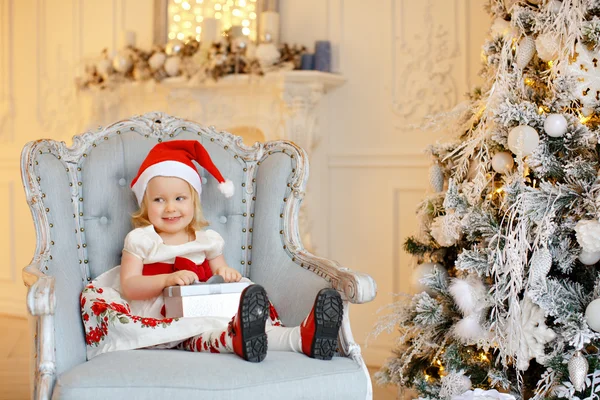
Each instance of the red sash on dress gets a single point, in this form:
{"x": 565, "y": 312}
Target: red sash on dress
{"x": 202, "y": 270}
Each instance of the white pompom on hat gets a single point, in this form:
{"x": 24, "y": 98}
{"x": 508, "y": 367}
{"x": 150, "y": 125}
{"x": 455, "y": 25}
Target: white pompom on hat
{"x": 174, "y": 159}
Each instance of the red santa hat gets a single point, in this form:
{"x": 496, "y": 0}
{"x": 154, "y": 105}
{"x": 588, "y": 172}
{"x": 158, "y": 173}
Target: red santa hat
{"x": 174, "y": 158}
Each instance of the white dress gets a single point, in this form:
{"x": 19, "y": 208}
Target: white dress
{"x": 114, "y": 323}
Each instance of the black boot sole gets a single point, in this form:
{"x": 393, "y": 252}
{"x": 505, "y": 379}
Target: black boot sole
{"x": 254, "y": 311}
{"x": 329, "y": 311}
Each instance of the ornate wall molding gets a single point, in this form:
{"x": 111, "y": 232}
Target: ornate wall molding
{"x": 430, "y": 53}
{"x": 7, "y": 105}
{"x": 55, "y": 72}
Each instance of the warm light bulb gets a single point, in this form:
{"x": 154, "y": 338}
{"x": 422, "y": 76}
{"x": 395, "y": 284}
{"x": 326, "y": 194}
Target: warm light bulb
{"x": 180, "y": 36}
{"x": 236, "y": 12}
{"x": 185, "y": 5}
{"x": 242, "y": 3}
{"x": 245, "y": 23}
{"x": 217, "y": 7}
{"x": 252, "y": 15}
{"x": 199, "y": 18}
{"x": 218, "y": 15}
{"x": 550, "y": 63}
{"x": 177, "y": 18}
{"x": 529, "y": 81}
{"x": 171, "y": 35}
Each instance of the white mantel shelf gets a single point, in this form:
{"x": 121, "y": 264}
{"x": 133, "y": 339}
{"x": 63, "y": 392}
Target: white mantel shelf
{"x": 327, "y": 80}
{"x": 282, "y": 104}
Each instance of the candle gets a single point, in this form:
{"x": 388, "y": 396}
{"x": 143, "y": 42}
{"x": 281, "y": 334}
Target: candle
{"x": 237, "y": 31}
{"x": 323, "y": 55}
{"x": 210, "y": 31}
{"x": 308, "y": 61}
{"x": 269, "y": 26}
{"x": 127, "y": 39}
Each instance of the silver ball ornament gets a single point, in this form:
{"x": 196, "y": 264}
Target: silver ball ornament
{"x": 523, "y": 140}
{"x": 174, "y": 47}
{"x": 157, "y": 60}
{"x": 554, "y": 6}
{"x": 592, "y": 315}
{"x": 589, "y": 257}
{"x": 503, "y": 162}
{"x": 104, "y": 67}
{"x": 173, "y": 65}
{"x": 555, "y": 125}
{"x": 122, "y": 62}
{"x": 426, "y": 269}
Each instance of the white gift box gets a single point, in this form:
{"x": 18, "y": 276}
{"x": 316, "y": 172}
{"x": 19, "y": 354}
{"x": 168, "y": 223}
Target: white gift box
{"x": 203, "y": 300}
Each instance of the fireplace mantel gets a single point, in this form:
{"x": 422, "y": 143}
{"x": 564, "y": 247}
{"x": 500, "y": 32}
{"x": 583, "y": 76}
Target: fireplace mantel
{"x": 282, "y": 105}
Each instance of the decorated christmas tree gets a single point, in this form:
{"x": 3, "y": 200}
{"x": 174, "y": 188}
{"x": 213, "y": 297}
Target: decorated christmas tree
{"x": 509, "y": 246}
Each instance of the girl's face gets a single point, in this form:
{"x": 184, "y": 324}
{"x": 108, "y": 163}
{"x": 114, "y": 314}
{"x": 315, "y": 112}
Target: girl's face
{"x": 169, "y": 203}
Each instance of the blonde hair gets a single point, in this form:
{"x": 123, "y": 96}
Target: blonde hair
{"x": 139, "y": 219}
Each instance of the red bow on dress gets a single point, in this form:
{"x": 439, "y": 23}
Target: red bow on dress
{"x": 181, "y": 264}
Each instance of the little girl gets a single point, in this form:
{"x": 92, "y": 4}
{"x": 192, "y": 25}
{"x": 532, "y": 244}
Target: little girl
{"x": 123, "y": 308}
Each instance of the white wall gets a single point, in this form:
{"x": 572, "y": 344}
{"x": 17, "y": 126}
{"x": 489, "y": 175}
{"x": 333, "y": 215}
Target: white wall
{"x": 402, "y": 59}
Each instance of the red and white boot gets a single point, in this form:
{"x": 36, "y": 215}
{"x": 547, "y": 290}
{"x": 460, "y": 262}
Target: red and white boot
{"x": 319, "y": 331}
{"x": 247, "y": 327}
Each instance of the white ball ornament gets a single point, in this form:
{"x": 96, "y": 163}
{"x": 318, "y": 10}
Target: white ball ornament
{"x": 157, "y": 60}
{"x": 172, "y": 66}
{"x": 104, "y": 67}
{"x": 554, "y": 6}
{"x": 589, "y": 257}
{"x": 122, "y": 62}
{"x": 426, "y": 269}
{"x": 500, "y": 27}
{"x": 502, "y": 162}
{"x": 592, "y": 315}
{"x": 547, "y": 47}
{"x": 555, "y": 125}
{"x": 523, "y": 140}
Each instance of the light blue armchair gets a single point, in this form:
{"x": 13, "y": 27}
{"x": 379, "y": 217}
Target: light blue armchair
{"x": 81, "y": 202}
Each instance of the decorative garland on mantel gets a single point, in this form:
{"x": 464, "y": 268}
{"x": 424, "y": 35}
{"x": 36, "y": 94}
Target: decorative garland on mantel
{"x": 189, "y": 62}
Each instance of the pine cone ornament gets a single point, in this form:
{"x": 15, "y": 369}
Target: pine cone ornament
{"x": 436, "y": 177}
{"x": 539, "y": 266}
{"x": 578, "y": 369}
{"x": 525, "y": 51}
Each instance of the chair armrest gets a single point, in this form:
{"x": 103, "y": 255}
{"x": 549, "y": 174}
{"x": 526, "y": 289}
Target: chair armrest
{"x": 357, "y": 287}
{"x": 41, "y": 303}
{"x": 40, "y": 293}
